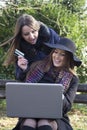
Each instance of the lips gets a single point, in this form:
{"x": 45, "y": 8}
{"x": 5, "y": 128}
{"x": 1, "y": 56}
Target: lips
{"x": 33, "y": 41}
{"x": 56, "y": 61}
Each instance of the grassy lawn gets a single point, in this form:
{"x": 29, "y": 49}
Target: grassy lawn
{"x": 78, "y": 117}
{"x": 6, "y": 123}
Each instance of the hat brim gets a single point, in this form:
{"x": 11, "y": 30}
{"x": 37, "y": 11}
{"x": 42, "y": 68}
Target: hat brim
{"x": 58, "y": 46}
{"x": 77, "y": 61}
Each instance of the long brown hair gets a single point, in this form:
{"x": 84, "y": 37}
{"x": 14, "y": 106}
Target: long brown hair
{"x": 45, "y": 64}
{"x": 23, "y": 20}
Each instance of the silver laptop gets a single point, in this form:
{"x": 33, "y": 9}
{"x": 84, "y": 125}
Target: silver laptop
{"x": 34, "y": 100}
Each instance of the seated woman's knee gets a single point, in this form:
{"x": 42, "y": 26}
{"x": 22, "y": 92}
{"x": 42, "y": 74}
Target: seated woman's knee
{"x": 30, "y": 122}
{"x": 42, "y": 122}
{"x": 51, "y": 123}
{"x": 54, "y": 125}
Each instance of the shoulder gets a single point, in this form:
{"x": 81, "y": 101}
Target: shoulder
{"x": 48, "y": 32}
{"x": 75, "y": 78}
{"x": 74, "y": 81}
{"x": 54, "y": 36}
{"x": 44, "y": 31}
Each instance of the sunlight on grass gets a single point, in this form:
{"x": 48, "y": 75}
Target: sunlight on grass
{"x": 6, "y": 123}
{"x": 78, "y": 117}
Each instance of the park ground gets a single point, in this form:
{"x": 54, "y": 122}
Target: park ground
{"x": 78, "y": 117}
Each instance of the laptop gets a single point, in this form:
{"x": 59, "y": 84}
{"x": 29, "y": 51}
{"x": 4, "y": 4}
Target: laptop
{"x": 34, "y": 100}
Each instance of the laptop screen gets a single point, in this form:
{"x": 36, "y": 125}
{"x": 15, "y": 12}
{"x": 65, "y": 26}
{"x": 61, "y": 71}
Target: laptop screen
{"x": 34, "y": 100}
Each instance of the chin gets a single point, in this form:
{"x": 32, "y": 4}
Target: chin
{"x": 57, "y": 65}
{"x": 32, "y": 43}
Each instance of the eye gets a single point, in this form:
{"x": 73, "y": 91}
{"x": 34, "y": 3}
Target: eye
{"x": 63, "y": 54}
{"x": 34, "y": 31}
{"x": 55, "y": 51}
{"x": 26, "y": 34}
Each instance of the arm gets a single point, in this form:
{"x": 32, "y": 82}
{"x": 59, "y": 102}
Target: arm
{"x": 48, "y": 34}
{"x": 69, "y": 95}
{"x": 54, "y": 37}
{"x": 21, "y": 68}
{"x": 20, "y": 74}
{"x": 44, "y": 32}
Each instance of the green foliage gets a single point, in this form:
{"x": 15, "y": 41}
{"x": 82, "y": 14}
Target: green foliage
{"x": 66, "y": 17}
{"x": 73, "y": 5}
{"x": 6, "y": 73}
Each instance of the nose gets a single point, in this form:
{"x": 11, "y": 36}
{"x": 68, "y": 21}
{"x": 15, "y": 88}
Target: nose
{"x": 31, "y": 35}
{"x": 57, "y": 55}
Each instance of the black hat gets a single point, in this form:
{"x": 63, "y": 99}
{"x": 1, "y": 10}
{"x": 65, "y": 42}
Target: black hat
{"x": 67, "y": 45}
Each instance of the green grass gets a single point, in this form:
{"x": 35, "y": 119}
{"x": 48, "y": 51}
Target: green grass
{"x": 78, "y": 117}
{"x": 6, "y": 123}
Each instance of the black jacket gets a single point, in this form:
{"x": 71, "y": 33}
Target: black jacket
{"x": 37, "y": 51}
{"x": 69, "y": 96}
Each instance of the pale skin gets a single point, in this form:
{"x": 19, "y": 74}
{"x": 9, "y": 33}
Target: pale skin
{"x": 59, "y": 59}
{"x": 30, "y": 35}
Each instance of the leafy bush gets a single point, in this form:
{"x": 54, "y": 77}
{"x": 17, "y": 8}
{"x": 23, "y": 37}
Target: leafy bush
{"x": 57, "y": 16}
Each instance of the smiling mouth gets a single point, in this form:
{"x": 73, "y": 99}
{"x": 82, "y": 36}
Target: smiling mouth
{"x": 33, "y": 40}
{"x": 57, "y": 61}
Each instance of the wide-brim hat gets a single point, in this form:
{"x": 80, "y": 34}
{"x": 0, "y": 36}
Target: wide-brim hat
{"x": 67, "y": 45}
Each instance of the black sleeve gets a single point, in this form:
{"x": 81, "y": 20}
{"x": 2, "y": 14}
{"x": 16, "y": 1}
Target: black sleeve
{"x": 20, "y": 75}
{"x": 69, "y": 95}
{"x": 44, "y": 32}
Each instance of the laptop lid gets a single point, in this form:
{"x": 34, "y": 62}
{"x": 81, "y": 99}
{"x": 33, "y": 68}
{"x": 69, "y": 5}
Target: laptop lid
{"x": 34, "y": 100}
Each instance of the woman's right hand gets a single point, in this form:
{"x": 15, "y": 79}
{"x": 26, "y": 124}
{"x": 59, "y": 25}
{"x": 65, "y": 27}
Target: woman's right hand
{"x": 22, "y": 62}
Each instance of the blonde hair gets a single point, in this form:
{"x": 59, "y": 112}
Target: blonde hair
{"x": 23, "y": 20}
